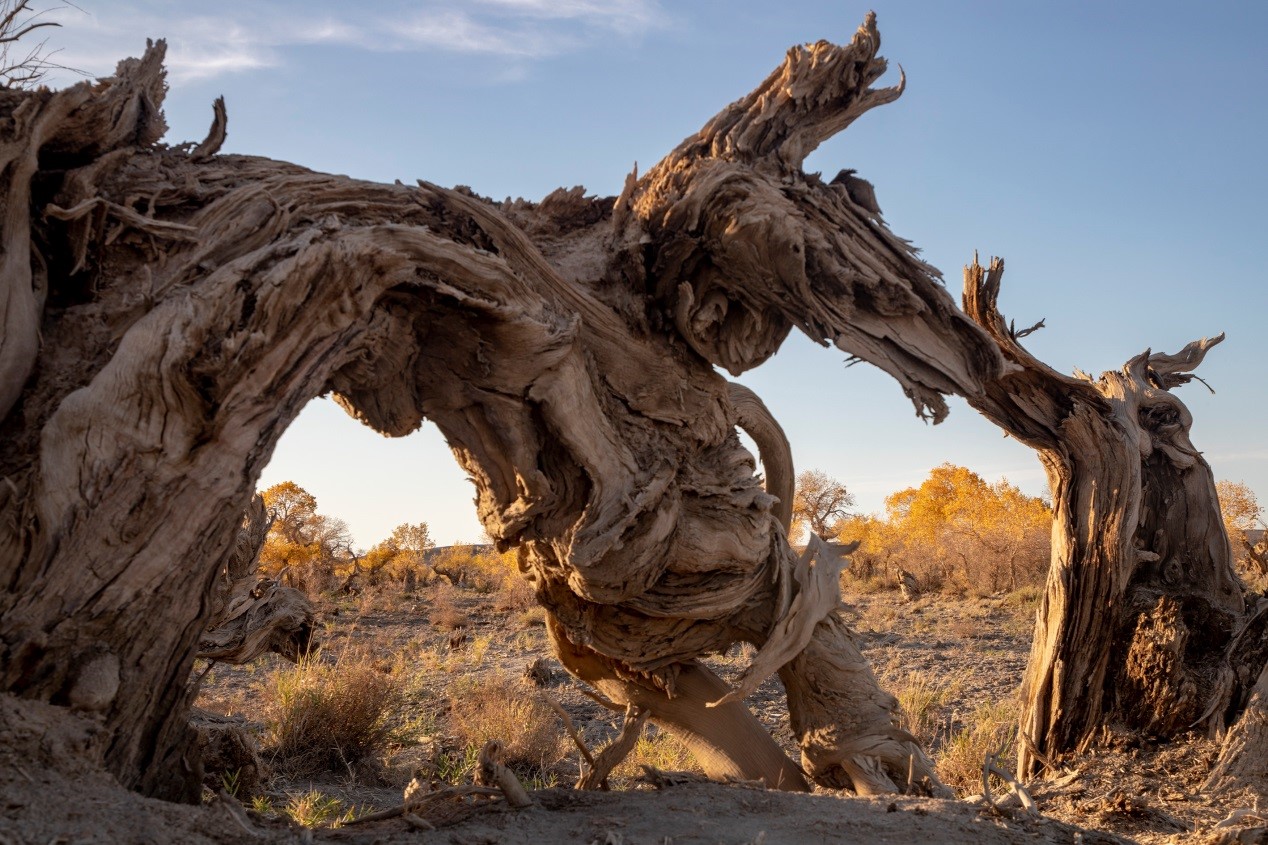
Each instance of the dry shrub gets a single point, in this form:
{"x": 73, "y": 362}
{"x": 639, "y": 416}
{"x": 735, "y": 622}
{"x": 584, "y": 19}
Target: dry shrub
{"x": 498, "y": 706}
{"x": 991, "y": 729}
{"x": 330, "y": 717}
{"x": 443, "y": 612}
{"x": 516, "y": 594}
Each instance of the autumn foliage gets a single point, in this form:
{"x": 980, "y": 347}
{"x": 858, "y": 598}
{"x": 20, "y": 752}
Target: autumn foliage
{"x": 1243, "y": 520}
{"x": 315, "y": 552}
{"x": 955, "y": 531}
{"x": 309, "y": 548}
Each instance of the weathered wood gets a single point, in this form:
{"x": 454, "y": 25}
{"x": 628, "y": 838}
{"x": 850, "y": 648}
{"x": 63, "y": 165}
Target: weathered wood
{"x": 615, "y": 752}
{"x": 190, "y": 304}
{"x": 491, "y": 771}
{"x": 1243, "y": 756}
{"x": 727, "y": 740}
{"x": 230, "y": 754}
{"x": 1142, "y": 601}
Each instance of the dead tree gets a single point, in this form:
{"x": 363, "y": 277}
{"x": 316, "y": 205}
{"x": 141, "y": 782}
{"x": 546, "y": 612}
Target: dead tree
{"x": 167, "y": 312}
{"x": 1143, "y": 623}
{"x": 251, "y": 616}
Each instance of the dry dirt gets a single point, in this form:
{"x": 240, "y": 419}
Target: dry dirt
{"x": 973, "y": 649}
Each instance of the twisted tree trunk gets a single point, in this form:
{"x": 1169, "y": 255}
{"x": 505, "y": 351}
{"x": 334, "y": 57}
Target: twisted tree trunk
{"x": 1138, "y": 620}
{"x": 168, "y": 313}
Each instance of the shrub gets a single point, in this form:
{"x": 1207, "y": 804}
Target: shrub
{"x": 330, "y": 717}
{"x": 496, "y": 706}
{"x": 921, "y": 700}
{"x": 443, "y": 612}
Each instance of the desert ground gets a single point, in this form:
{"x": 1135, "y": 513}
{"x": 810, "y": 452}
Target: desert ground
{"x": 457, "y": 665}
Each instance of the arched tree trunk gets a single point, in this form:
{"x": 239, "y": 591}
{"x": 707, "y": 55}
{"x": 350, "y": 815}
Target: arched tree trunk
{"x": 1137, "y": 622}
{"x": 168, "y": 313}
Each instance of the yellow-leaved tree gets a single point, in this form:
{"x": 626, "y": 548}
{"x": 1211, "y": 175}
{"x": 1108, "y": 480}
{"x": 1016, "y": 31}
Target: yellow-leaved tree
{"x": 982, "y": 536}
{"x": 311, "y": 548}
{"x": 880, "y": 548}
{"x": 401, "y": 557}
{"x": 1242, "y": 515}
{"x": 820, "y": 503}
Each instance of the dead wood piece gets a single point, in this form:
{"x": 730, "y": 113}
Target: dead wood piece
{"x": 269, "y": 617}
{"x": 251, "y": 616}
{"x": 234, "y": 810}
{"x": 491, "y": 771}
{"x": 1244, "y": 751}
{"x": 1239, "y": 815}
{"x": 816, "y": 590}
{"x": 567, "y": 350}
{"x": 216, "y": 135}
{"x": 1141, "y": 604}
{"x": 1238, "y": 836}
{"x": 772, "y": 445}
{"x": 571, "y": 729}
{"x": 230, "y": 753}
{"x": 990, "y": 766}
{"x": 417, "y": 822}
{"x": 422, "y": 800}
{"x": 726, "y": 740}
{"x": 615, "y": 752}
{"x": 908, "y": 586}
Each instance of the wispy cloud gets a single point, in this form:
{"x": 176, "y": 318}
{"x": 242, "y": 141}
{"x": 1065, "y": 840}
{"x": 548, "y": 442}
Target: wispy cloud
{"x": 241, "y": 36}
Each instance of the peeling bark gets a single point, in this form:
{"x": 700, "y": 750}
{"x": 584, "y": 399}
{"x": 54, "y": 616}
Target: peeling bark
{"x": 1142, "y": 602}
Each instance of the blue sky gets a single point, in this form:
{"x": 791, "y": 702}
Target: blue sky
{"x": 1111, "y": 152}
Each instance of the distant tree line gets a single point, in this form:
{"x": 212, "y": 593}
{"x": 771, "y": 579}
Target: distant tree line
{"x": 958, "y": 531}
{"x": 314, "y": 552}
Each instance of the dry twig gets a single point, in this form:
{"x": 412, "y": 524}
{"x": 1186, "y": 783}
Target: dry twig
{"x": 596, "y": 777}
{"x": 491, "y": 771}
{"x": 570, "y": 728}
{"x": 415, "y": 805}
{"x": 989, "y": 767}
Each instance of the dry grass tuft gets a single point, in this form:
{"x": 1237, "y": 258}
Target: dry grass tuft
{"x": 316, "y": 809}
{"x": 991, "y": 729}
{"x": 325, "y": 717}
{"x": 499, "y": 706}
{"x": 533, "y": 616}
{"x": 658, "y": 749}
{"x": 922, "y": 702}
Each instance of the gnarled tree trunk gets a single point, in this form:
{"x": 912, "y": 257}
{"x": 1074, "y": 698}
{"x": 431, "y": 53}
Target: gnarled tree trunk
{"x": 168, "y": 314}
{"x": 1138, "y": 620}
